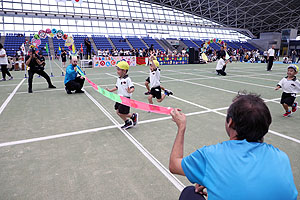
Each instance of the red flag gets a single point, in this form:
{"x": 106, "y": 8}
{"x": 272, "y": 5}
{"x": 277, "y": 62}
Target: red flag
{"x": 81, "y": 48}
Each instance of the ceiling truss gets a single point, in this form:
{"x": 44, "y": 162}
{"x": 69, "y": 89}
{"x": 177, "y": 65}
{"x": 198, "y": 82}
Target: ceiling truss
{"x": 255, "y": 15}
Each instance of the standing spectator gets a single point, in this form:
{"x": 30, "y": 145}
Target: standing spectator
{"x": 183, "y": 52}
{"x": 266, "y": 56}
{"x": 242, "y": 168}
{"x": 294, "y": 55}
{"x": 151, "y": 48}
{"x": 87, "y": 43}
{"x": 56, "y": 55}
{"x": 221, "y": 53}
{"x": 4, "y": 63}
{"x": 63, "y": 56}
{"x": 242, "y": 53}
{"x": 271, "y": 54}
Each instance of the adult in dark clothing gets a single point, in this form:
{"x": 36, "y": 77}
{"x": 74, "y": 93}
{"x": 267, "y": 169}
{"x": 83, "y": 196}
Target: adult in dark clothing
{"x": 36, "y": 65}
{"x": 63, "y": 56}
{"x": 221, "y": 53}
{"x": 241, "y": 52}
{"x": 294, "y": 55}
{"x": 87, "y": 43}
{"x": 151, "y": 48}
{"x": 144, "y": 53}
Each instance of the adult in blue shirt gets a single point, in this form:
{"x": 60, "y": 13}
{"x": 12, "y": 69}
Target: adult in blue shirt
{"x": 72, "y": 81}
{"x": 242, "y": 168}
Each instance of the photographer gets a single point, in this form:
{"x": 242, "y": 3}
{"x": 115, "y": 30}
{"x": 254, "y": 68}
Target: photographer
{"x": 36, "y": 64}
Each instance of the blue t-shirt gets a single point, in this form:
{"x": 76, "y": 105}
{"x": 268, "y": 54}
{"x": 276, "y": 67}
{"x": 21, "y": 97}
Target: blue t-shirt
{"x": 71, "y": 74}
{"x": 241, "y": 170}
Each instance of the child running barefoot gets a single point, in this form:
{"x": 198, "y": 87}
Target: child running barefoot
{"x": 155, "y": 91}
{"x": 290, "y": 86}
{"x": 125, "y": 88}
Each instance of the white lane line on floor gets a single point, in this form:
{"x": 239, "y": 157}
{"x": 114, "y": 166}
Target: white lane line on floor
{"x": 54, "y": 136}
{"x": 11, "y": 96}
{"x": 178, "y": 184}
{"x": 227, "y": 79}
{"x": 31, "y": 140}
{"x": 267, "y": 100}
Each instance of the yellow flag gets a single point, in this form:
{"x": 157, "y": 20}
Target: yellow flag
{"x": 73, "y": 48}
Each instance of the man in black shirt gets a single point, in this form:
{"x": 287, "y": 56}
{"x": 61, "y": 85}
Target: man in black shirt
{"x": 36, "y": 65}
{"x": 221, "y": 53}
{"x": 88, "y": 48}
{"x": 151, "y": 48}
{"x": 241, "y": 52}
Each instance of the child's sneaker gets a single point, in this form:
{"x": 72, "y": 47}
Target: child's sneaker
{"x": 168, "y": 92}
{"x": 147, "y": 93}
{"x": 134, "y": 118}
{"x": 287, "y": 114}
{"x": 11, "y": 78}
{"x": 128, "y": 124}
{"x": 294, "y": 107}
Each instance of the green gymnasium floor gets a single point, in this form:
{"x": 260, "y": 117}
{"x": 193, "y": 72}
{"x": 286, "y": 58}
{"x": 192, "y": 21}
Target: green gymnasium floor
{"x": 59, "y": 146}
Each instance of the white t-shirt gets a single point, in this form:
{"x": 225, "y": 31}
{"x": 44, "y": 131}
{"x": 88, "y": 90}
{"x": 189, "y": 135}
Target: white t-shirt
{"x": 271, "y": 52}
{"x": 123, "y": 84}
{"x": 220, "y": 64}
{"x": 155, "y": 78}
{"x": 3, "y": 60}
{"x": 290, "y": 86}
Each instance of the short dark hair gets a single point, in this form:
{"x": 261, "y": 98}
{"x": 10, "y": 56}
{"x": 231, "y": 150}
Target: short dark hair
{"x": 251, "y": 117}
{"x": 1, "y": 46}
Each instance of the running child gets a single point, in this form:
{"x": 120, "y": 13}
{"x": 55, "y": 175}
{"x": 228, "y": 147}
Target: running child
{"x": 290, "y": 86}
{"x": 125, "y": 88}
{"x": 155, "y": 91}
{"x": 147, "y": 83}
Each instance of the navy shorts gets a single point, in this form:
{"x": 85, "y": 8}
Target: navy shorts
{"x": 288, "y": 98}
{"x": 156, "y": 92}
{"x": 122, "y": 108}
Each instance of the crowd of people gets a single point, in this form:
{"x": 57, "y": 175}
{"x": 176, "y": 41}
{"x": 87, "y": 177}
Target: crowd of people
{"x": 140, "y": 52}
{"x": 241, "y": 55}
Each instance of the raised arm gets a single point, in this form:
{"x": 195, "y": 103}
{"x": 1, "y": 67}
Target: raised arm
{"x": 177, "y": 150}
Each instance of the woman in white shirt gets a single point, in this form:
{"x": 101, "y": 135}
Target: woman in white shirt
{"x": 4, "y": 63}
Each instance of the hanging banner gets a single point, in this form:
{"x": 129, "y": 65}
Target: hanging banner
{"x": 113, "y": 60}
{"x": 125, "y": 101}
{"x": 141, "y": 60}
{"x": 172, "y": 60}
